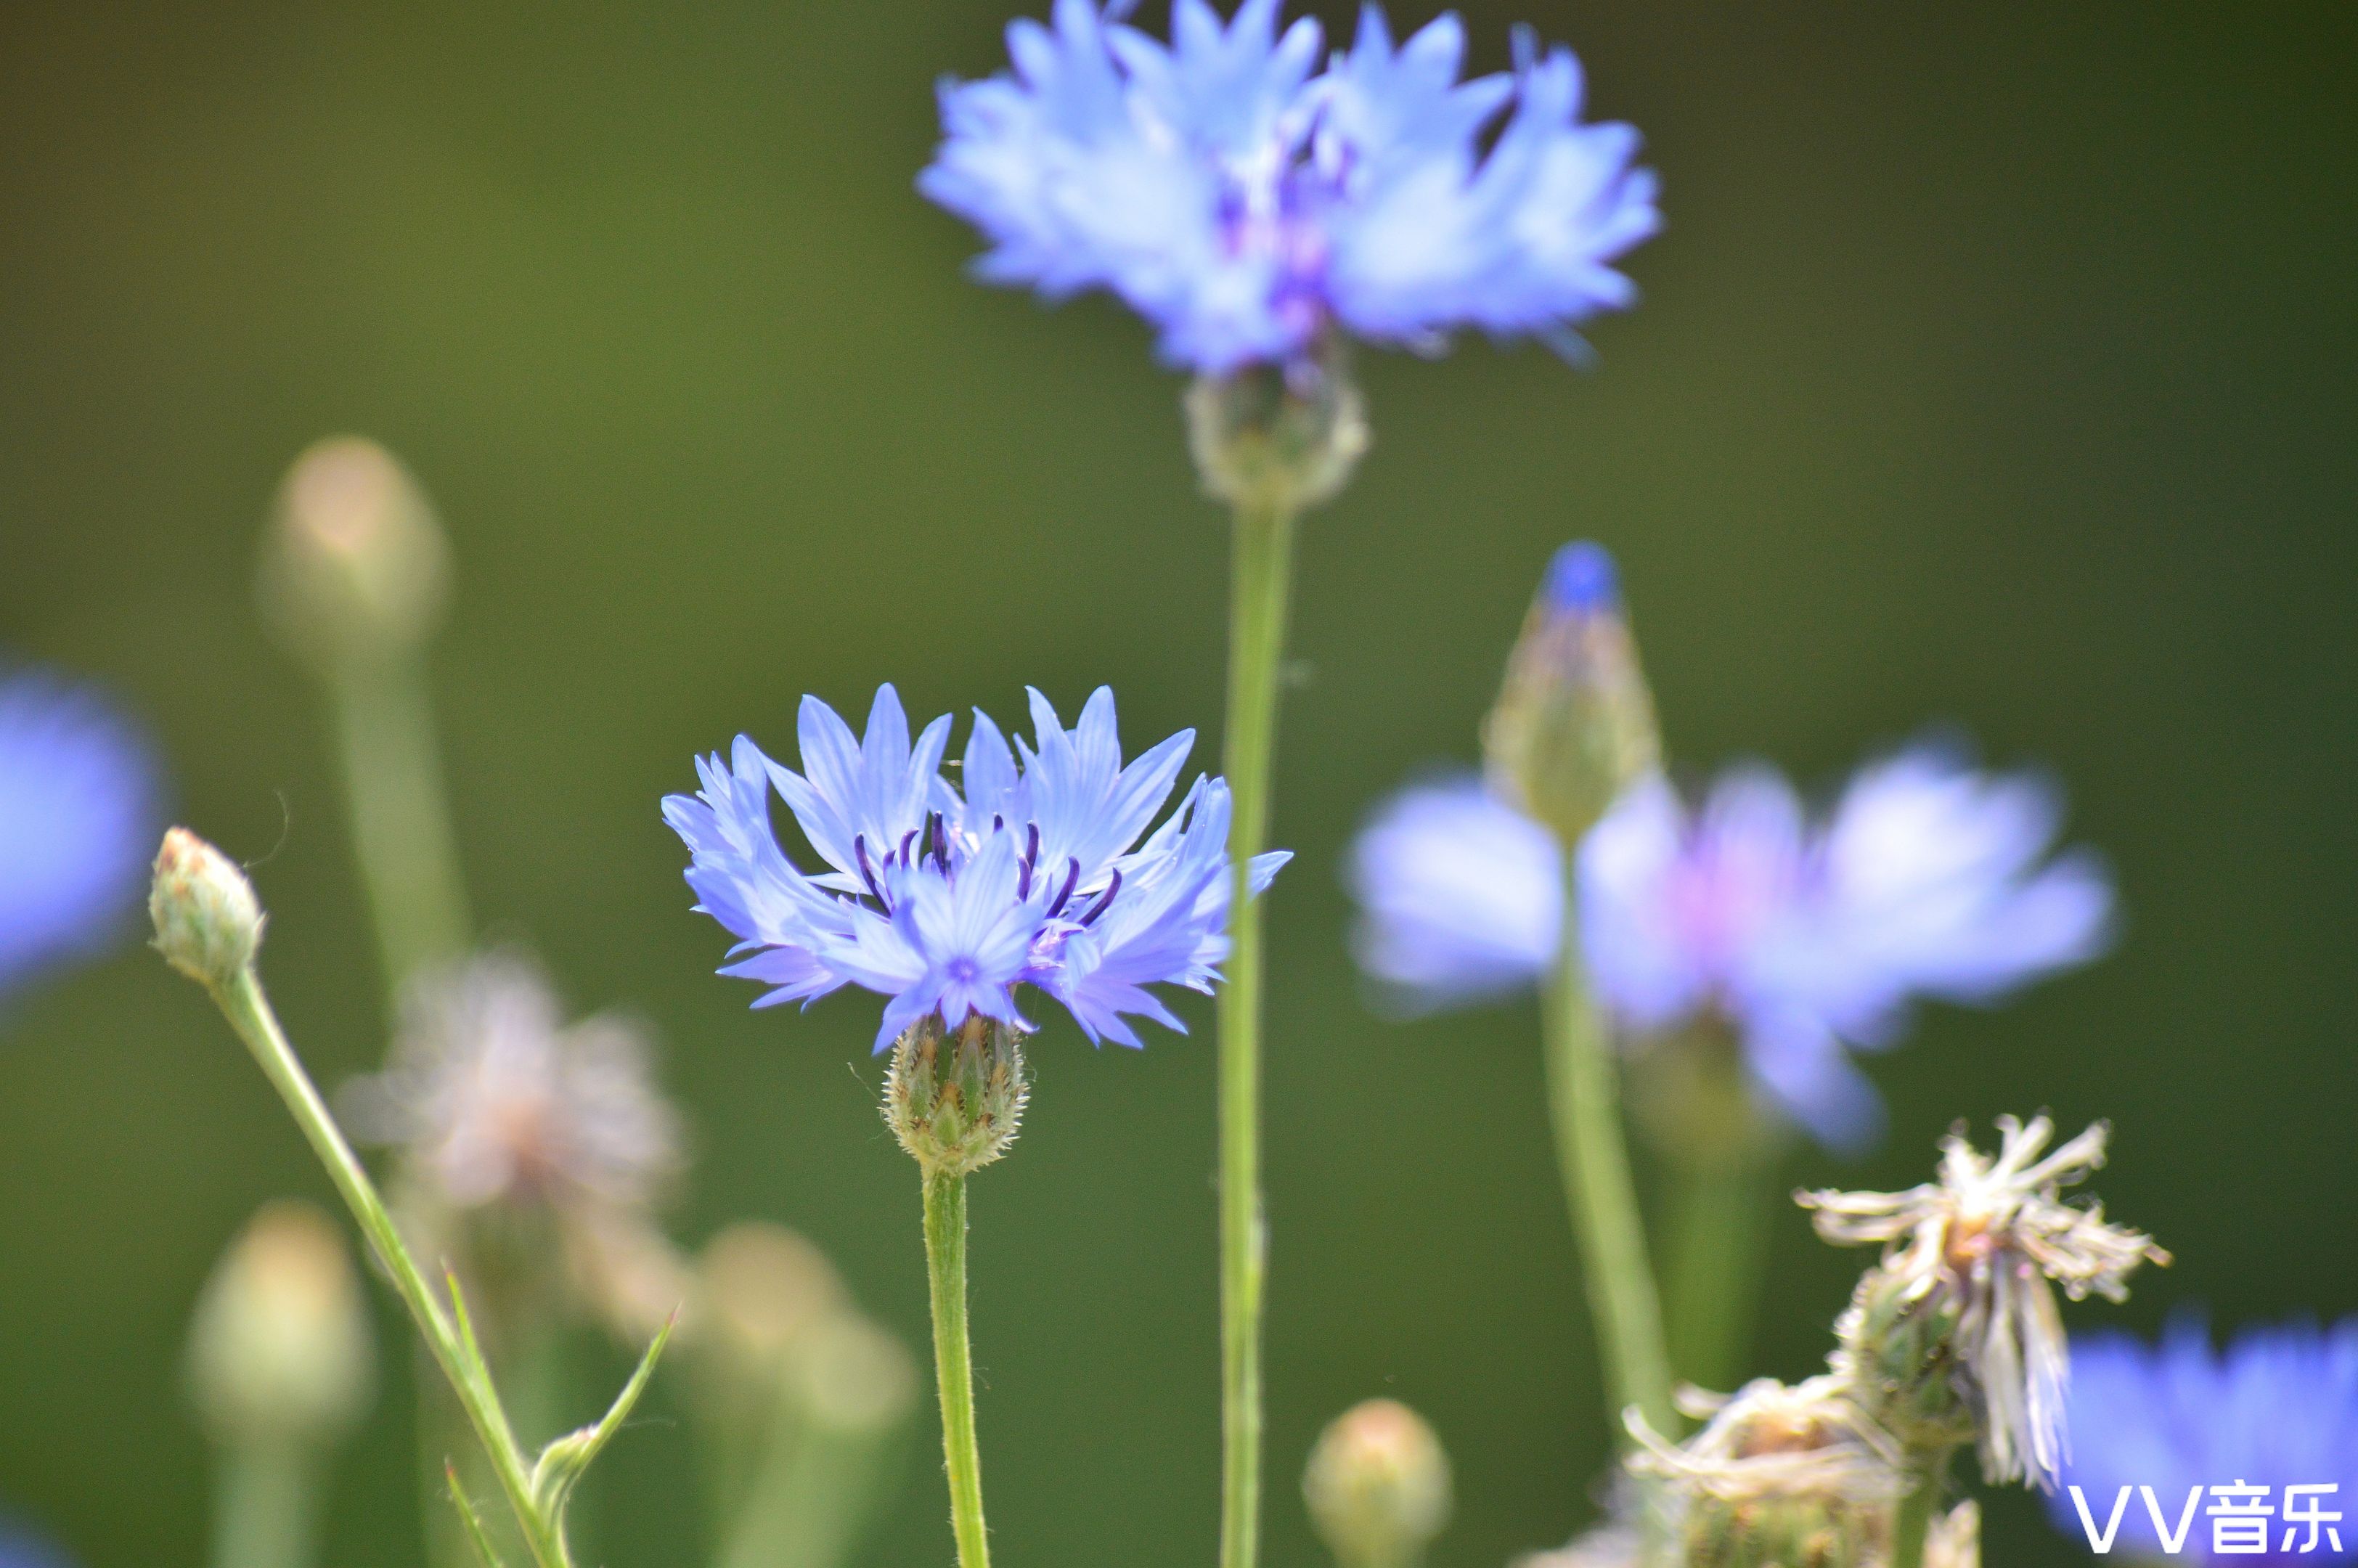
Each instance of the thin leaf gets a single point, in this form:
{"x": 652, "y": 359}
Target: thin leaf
{"x": 562, "y": 1463}
{"x": 489, "y": 1557}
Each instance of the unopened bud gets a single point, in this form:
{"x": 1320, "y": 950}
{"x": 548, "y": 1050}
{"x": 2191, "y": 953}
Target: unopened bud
{"x": 208, "y": 921}
{"x": 761, "y": 1292}
{"x": 854, "y": 1379}
{"x": 1573, "y": 726}
{"x": 354, "y": 565}
{"x": 1277, "y": 439}
{"x": 279, "y": 1349}
{"x": 1377, "y": 1486}
{"x": 956, "y": 1101}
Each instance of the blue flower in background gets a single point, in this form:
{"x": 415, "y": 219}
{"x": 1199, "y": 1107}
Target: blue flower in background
{"x": 1246, "y": 201}
{"x": 945, "y": 901}
{"x": 21, "y": 1549}
{"x": 79, "y": 820}
{"x": 2279, "y": 1408}
{"x": 1925, "y": 881}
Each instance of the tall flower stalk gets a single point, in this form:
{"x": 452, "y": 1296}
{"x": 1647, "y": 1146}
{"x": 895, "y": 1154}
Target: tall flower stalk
{"x": 209, "y": 926}
{"x": 1573, "y": 728}
{"x": 1270, "y": 449}
{"x": 1258, "y": 210}
{"x": 946, "y": 901}
{"x": 355, "y": 574}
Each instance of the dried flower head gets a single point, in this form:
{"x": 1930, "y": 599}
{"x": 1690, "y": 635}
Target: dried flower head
{"x": 493, "y": 1098}
{"x": 1796, "y": 1474}
{"x": 1961, "y": 1298}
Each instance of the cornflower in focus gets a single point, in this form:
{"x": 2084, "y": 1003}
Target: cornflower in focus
{"x": 1955, "y": 1334}
{"x": 1250, "y": 204}
{"x": 78, "y": 818}
{"x": 1927, "y": 879}
{"x": 2278, "y": 1408}
{"x": 945, "y": 902}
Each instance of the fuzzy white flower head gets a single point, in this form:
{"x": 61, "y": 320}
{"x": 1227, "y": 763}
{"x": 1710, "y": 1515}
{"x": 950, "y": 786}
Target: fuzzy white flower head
{"x": 1770, "y": 1441}
{"x": 1991, "y": 1233}
{"x": 494, "y": 1099}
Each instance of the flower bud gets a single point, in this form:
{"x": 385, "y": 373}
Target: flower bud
{"x": 1282, "y": 439}
{"x": 956, "y": 1101}
{"x": 1377, "y": 1486}
{"x": 208, "y": 921}
{"x": 1575, "y": 723}
{"x": 279, "y": 1349}
{"x": 854, "y": 1379}
{"x": 761, "y": 1292}
{"x": 355, "y": 565}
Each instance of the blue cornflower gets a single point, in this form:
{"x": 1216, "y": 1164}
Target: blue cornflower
{"x": 1246, "y": 202}
{"x": 2279, "y": 1408}
{"x": 79, "y": 819}
{"x": 1925, "y": 881}
{"x": 947, "y": 901}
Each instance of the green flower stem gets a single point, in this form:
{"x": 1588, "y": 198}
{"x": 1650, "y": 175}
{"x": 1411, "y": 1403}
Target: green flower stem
{"x": 1585, "y": 1104}
{"x": 1261, "y": 574}
{"x": 811, "y": 1496}
{"x": 266, "y": 1506}
{"x": 954, "y": 1362}
{"x": 248, "y": 1011}
{"x": 400, "y": 820}
{"x": 1912, "y": 1518}
{"x": 1718, "y": 1241}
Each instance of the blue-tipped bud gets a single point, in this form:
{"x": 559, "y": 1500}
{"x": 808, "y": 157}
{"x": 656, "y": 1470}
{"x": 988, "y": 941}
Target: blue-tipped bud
{"x": 1575, "y": 723}
{"x": 1583, "y": 580}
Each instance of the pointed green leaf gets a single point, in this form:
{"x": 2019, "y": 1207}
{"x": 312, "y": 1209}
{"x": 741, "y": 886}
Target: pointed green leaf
{"x": 562, "y": 1463}
{"x": 466, "y": 1517}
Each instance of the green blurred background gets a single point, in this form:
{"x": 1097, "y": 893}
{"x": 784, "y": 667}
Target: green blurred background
{"x": 1997, "y": 367}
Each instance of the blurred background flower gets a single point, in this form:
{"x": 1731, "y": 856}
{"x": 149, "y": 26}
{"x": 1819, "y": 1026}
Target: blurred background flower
{"x": 2278, "y": 1406}
{"x": 80, "y": 814}
{"x": 1808, "y": 939}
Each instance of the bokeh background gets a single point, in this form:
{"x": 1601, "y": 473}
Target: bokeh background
{"x": 1997, "y": 368}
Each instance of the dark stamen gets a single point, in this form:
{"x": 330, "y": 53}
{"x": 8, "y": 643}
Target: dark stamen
{"x": 1072, "y": 876}
{"x": 906, "y": 839}
{"x": 1104, "y": 899}
{"x": 941, "y": 844}
{"x": 867, "y": 871}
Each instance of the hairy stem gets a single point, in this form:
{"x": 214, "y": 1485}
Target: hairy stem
{"x": 1911, "y": 1519}
{"x": 248, "y": 1011}
{"x": 954, "y": 1362}
{"x": 1584, "y": 1102}
{"x": 1259, "y": 585}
